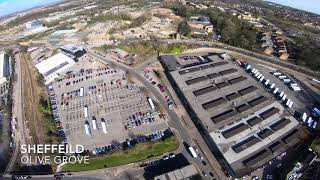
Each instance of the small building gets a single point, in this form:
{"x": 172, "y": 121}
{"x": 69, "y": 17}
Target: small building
{"x": 186, "y": 172}
{"x": 200, "y": 25}
{"x": 54, "y": 66}
{"x": 5, "y": 72}
{"x": 76, "y": 51}
{"x": 33, "y": 24}
{"x": 121, "y": 56}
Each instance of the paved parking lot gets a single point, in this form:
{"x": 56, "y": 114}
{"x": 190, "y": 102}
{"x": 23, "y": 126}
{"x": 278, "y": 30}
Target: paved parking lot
{"x": 98, "y": 106}
{"x": 302, "y": 101}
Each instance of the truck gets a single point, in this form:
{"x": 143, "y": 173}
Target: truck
{"x": 192, "y": 152}
{"x": 151, "y": 103}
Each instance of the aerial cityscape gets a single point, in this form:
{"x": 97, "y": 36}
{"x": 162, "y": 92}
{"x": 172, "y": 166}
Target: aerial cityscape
{"x": 160, "y": 90}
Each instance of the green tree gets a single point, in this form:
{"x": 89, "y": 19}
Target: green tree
{"x": 184, "y": 29}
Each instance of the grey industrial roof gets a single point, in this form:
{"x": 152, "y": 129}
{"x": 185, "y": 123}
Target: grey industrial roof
{"x": 268, "y": 113}
{"x": 254, "y": 120}
{"x": 264, "y": 133}
{"x": 280, "y": 124}
{"x": 204, "y": 90}
{"x": 235, "y": 130}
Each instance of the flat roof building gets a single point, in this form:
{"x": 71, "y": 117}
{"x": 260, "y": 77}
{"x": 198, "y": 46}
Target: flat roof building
{"x": 54, "y": 66}
{"x": 73, "y": 50}
{"x": 242, "y": 121}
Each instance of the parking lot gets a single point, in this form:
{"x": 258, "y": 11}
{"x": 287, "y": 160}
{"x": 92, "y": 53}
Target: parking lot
{"x": 98, "y": 106}
{"x": 300, "y": 98}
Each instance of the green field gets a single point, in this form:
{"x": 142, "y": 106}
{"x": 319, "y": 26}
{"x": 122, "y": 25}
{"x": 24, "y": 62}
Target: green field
{"x": 139, "y": 152}
{"x": 315, "y": 146}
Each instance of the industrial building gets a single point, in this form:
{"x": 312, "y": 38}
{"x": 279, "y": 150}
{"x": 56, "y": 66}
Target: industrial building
{"x": 120, "y": 56}
{"x": 5, "y": 72}
{"x": 243, "y": 123}
{"x": 53, "y": 67}
{"x": 33, "y": 24}
{"x": 73, "y": 50}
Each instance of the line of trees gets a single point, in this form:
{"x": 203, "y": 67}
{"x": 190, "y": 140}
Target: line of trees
{"x": 232, "y": 30}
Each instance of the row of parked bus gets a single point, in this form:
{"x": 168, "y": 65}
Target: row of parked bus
{"x": 280, "y": 95}
{"x": 309, "y": 121}
{"x": 289, "y": 82}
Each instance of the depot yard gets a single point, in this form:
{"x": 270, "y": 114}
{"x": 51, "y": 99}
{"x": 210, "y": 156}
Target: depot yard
{"x": 99, "y": 108}
{"x": 244, "y": 120}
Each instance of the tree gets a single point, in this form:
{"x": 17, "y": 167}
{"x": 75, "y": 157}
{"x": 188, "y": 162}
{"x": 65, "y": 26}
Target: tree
{"x": 184, "y": 29}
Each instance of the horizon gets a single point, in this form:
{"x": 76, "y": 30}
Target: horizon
{"x": 8, "y": 7}
{"x": 309, "y": 5}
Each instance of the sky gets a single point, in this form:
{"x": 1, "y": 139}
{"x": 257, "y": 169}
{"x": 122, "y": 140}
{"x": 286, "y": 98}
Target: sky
{"x": 11, "y": 6}
{"x": 307, "y": 5}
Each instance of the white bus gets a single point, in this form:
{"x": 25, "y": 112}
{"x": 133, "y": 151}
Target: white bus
{"x": 151, "y": 103}
{"x": 193, "y": 152}
{"x": 81, "y": 92}
{"x": 85, "y": 110}
{"x": 104, "y": 127}
{"x": 87, "y": 128}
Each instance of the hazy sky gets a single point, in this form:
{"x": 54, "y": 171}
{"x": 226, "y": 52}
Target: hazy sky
{"x": 11, "y": 6}
{"x": 308, "y": 5}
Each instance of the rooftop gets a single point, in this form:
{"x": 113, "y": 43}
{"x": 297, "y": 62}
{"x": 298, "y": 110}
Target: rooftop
{"x": 240, "y": 116}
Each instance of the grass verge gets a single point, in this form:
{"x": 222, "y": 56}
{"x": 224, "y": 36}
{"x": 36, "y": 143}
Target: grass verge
{"x": 315, "y": 146}
{"x": 139, "y": 152}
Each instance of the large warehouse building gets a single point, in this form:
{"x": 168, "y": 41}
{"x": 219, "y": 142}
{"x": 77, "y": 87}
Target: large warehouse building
{"x": 54, "y": 66}
{"x": 243, "y": 122}
{"x": 5, "y": 72}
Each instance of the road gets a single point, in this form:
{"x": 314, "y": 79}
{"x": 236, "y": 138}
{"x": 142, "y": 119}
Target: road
{"x": 174, "y": 121}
